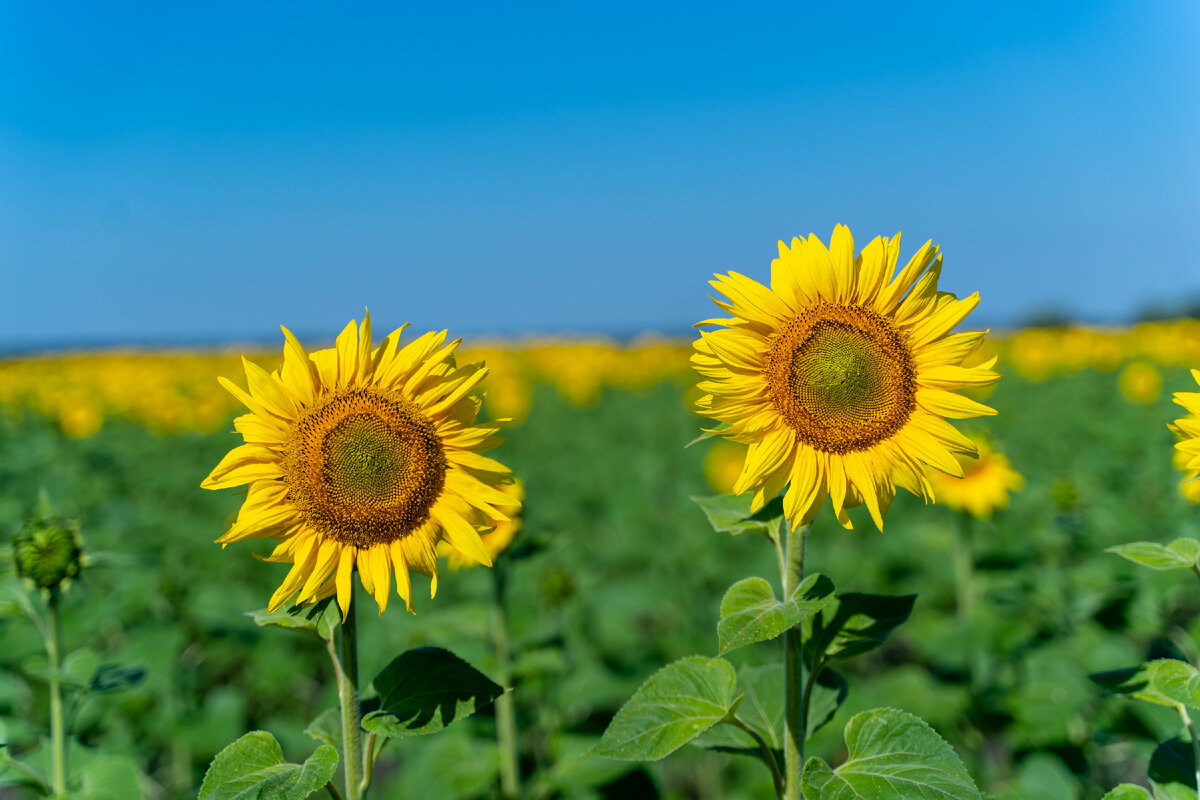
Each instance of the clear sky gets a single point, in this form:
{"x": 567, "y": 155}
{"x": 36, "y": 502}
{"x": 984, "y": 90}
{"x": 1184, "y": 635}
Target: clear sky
{"x": 202, "y": 172}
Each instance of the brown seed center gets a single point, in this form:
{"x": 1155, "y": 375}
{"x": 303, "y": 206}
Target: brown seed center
{"x": 842, "y": 377}
{"x": 364, "y": 467}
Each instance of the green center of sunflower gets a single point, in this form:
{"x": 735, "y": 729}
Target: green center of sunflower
{"x": 364, "y": 467}
{"x": 842, "y": 377}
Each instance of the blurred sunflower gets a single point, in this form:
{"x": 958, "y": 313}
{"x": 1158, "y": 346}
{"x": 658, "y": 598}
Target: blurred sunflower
{"x": 838, "y": 376}
{"x": 1187, "y": 455}
{"x": 984, "y": 487}
{"x": 497, "y": 540}
{"x": 363, "y": 457}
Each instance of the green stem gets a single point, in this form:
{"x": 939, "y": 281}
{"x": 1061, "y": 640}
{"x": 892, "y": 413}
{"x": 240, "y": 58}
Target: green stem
{"x": 964, "y": 568}
{"x": 506, "y": 717}
{"x": 58, "y": 732}
{"x": 796, "y": 709}
{"x": 1187, "y": 720}
{"x": 765, "y": 749}
{"x": 352, "y": 752}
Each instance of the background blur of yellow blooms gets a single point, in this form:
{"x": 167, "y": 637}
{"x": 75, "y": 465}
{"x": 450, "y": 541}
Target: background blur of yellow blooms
{"x": 175, "y": 391}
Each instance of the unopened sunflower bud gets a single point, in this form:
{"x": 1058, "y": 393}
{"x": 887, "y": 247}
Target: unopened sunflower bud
{"x": 48, "y": 551}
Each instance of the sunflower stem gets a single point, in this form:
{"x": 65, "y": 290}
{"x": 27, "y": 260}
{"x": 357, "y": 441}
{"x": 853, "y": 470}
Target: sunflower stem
{"x": 964, "y": 567}
{"x": 352, "y": 752}
{"x": 1187, "y": 720}
{"x": 506, "y": 720}
{"x": 58, "y": 732}
{"x": 795, "y": 698}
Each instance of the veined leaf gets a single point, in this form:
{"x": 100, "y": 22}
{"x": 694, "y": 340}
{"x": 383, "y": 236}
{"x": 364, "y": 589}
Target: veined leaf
{"x": 856, "y": 623}
{"x": 891, "y": 753}
{"x": 729, "y": 513}
{"x": 1179, "y": 554}
{"x": 315, "y": 620}
{"x": 675, "y": 705}
{"x": 424, "y": 690}
{"x": 1128, "y": 791}
{"x": 253, "y": 768}
{"x": 750, "y": 613}
{"x": 1164, "y": 682}
{"x": 1173, "y": 770}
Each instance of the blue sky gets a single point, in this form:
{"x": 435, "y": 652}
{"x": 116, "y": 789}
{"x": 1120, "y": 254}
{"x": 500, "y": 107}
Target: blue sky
{"x": 203, "y": 172}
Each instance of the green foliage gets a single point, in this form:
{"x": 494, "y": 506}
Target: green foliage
{"x": 1128, "y": 791}
{"x": 731, "y": 514}
{"x": 750, "y": 613}
{"x": 1173, "y": 770}
{"x": 319, "y": 620}
{"x": 424, "y": 690}
{"x": 675, "y": 705}
{"x": 1179, "y": 554}
{"x": 890, "y": 753}
{"x": 857, "y": 623}
{"x": 253, "y": 767}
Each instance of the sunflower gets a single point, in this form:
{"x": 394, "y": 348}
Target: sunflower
{"x": 1187, "y": 455}
{"x": 984, "y": 487}
{"x": 363, "y": 457}
{"x": 498, "y": 538}
{"x": 838, "y": 376}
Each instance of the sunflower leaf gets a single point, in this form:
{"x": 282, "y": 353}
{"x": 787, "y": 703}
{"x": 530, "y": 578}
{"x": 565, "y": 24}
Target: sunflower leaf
{"x": 1180, "y": 554}
{"x": 424, "y": 690}
{"x": 315, "y": 620}
{"x": 1173, "y": 770}
{"x": 750, "y": 613}
{"x": 891, "y": 753}
{"x": 326, "y": 728}
{"x": 856, "y": 623}
{"x": 674, "y": 706}
{"x": 1164, "y": 682}
{"x": 730, "y": 513}
{"x": 253, "y": 767}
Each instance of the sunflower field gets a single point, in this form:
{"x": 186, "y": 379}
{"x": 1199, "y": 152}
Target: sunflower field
{"x": 1013, "y": 634}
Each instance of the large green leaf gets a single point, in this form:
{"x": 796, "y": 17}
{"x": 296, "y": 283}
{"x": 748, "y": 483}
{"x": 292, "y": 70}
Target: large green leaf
{"x": 891, "y": 754}
{"x": 1164, "y": 682}
{"x": 252, "y": 768}
{"x": 675, "y": 705}
{"x": 750, "y": 613}
{"x": 1179, "y": 554}
{"x": 729, "y": 513}
{"x": 829, "y": 692}
{"x": 1173, "y": 771}
{"x": 855, "y": 623}
{"x": 424, "y": 690}
{"x": 761, "y": 707}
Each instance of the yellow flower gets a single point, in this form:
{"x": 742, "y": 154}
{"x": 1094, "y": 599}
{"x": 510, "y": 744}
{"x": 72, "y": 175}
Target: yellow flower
{"x": 838, "y": 377}
{"x": 984, "y": 487}
{"x": 1187, "y": 455}
{"x": 367, "y": 457}
{"x": 498, "y": 538}
{"x": 1140, "y": 383}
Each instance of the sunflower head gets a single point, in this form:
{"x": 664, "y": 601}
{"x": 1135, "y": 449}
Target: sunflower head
{"x": 364, "y": 458}
{"x": 48, "y": 551}
{"x": 1187, "y": 449}
{"x": 985, "y": 485}
{"x": 840, "y": 374}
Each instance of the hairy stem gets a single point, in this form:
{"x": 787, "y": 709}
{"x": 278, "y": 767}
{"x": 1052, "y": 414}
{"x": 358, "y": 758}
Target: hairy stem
{"x": 352, "y": 751}
{"x": 796, "y": 709}
{"x": 58, "y": 732}
{"x": 506, "y": 717}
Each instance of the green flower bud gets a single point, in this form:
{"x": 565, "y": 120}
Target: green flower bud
{"x": 48, "y": 551}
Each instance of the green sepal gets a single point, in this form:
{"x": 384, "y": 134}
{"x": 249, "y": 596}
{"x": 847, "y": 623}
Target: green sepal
{"x": 674, "y": 706}
{"x": 423, "y": 690}
{"x": 890, "y": 753}
{"x": 856, "y": 623}
{"x": 730, "y": 513}
{"x": 319, "y": 619}
{"x": 253, "y": 767}
{"x": 750, "y": 613}
{"x": 1179, "y": 554}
